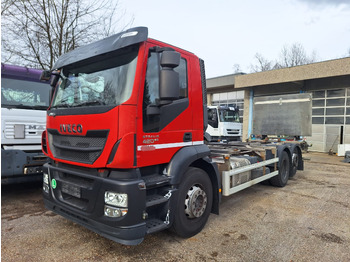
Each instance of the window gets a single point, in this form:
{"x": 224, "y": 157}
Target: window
{"x": 318, "y": 111}
{"x": 24, "y": 94}
{"x": 336, "y": 102}
{"x": 213, "y": 117}
{"x": 317, "y": 103}
{"x": 335, "y": 111}
{"x": 318, "y": 94}
{"x": 318, "y": 120}
{"x": 182, "y": 70}
{"x": 336, "y": 93}
{"x": 335, "y": 120}
{"x": 151, "y": 94}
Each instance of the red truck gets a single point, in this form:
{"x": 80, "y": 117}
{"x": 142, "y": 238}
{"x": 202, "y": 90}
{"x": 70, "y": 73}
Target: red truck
{"x": 125, "y": 132}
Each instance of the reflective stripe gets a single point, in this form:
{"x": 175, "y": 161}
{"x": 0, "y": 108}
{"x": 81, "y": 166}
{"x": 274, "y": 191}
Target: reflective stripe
{"x": 170, "y": 145}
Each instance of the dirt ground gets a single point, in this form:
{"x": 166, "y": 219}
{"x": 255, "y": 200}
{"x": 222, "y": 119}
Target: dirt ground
{"x": 308, "y": 220}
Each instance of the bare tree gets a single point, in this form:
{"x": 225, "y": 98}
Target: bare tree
{"x": 295, "y": 55}
{"x": 237, "y": 69}
{"x": 263, "y": 64}
{"x": 39, "y": 31}
{"x": 289, "y": 56}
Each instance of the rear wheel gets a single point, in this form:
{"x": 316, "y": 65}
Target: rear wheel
{"x": 295, "y": 162}
{"x": 194, "y": 203}
{"x": 283, "y": 171}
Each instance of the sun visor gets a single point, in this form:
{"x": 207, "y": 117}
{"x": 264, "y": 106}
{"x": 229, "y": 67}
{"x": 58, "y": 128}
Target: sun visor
{"x": 107, "y": 45}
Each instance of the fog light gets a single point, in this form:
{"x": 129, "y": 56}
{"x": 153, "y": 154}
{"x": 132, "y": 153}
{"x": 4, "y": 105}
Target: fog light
{"x": 115, "y": 212}
{"x": 116, "y": 199}
{"x": 46, "y": 188}
{"x": 46, "y": 178}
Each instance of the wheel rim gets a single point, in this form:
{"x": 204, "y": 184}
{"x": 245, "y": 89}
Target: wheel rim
{"x": 195, "y": 202}
{"x": 284, "y": 169}
{"x": 295, "y": 159}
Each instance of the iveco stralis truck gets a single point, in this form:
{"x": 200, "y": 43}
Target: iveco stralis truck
{"x": 24, "y": 101}
{"x": 125, "y": 135}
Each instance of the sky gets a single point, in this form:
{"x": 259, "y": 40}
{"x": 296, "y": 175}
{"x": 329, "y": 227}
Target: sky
{"x": 230, "y": 32}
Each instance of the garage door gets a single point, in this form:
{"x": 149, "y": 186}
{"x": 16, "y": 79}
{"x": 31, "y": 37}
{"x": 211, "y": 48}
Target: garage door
{"x": 330, "y": 119}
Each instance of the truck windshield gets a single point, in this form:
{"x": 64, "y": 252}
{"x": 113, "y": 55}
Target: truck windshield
{"x": 105, "y": 82}
{"x": 229, "y": 115}
{"x": 24, "y": 94}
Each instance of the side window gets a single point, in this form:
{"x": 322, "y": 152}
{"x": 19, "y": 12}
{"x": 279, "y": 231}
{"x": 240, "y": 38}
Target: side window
{"x": 182, "y": 70}
{"x": 213, "y": 117}
{"x": 151, "y": 93}
{"x": 151, "y": 123}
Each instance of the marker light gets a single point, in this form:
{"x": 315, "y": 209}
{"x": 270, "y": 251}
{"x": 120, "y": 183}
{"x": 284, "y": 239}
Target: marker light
{"x": 116, "y": 199}
{"x": 128, "y": 34}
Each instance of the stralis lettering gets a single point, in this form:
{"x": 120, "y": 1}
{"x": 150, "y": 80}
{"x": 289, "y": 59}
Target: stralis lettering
{"x": 71, "y": 128}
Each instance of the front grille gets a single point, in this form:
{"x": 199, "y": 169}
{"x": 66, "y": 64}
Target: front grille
{"x": 82, "y": 149}
{"x": 233, "y": 131}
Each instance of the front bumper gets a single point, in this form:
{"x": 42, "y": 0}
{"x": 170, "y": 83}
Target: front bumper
{"x": 18, "y": 166}
{"x": 87, "y": 207}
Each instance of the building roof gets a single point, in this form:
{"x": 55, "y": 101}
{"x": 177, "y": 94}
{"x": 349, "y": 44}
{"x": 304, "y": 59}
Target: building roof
{"x": 221, "y": 83}
{"x": 297, "y": 74}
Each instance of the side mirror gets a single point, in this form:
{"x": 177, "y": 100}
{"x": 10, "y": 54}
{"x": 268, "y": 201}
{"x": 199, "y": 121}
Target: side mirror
{"x": 54, "y": 79}
{"x": 45, "y": 75}
{"x": 169, "y": 83}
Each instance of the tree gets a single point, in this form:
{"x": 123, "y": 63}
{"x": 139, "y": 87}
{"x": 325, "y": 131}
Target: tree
{"x": 263, "y": 64}
{"x": 39, "y": 31}
{"x": 295, "y": 55}
{"x": 237, "y": 69}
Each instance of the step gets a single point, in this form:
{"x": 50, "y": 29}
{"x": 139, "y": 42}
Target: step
{"x": 155, "y": 225}
{"x": 153, "y": 200}
{"x": 155, "y": 180}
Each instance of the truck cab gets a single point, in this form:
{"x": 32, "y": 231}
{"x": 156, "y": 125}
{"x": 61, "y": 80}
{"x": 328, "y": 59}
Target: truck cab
{"x": 24, "y": 100}
{"x": 224, "y": 123}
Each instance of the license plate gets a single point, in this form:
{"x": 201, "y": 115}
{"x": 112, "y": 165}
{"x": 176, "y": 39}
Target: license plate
{"x": 71, "y": 190}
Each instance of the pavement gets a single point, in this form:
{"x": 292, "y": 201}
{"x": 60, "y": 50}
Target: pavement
{"x": 308, "y": 220}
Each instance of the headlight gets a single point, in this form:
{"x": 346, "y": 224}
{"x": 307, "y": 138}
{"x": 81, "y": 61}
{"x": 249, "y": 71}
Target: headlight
{"x": 115, "y": 211}
{"x": 46, "y": 182}
{"x": 46, "y": 178}
{"x": 116, "y": 199}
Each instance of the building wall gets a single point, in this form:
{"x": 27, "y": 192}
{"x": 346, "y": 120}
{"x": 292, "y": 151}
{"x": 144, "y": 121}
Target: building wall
{"x": 331, "y": 120}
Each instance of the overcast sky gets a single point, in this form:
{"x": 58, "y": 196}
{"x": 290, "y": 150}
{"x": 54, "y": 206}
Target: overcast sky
{"x": 225, "y": 33}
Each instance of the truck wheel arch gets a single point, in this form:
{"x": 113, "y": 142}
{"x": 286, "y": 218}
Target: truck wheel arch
{"x": 196, "y": 156}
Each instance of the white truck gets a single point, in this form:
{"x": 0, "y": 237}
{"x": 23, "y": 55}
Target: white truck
{"x": 224, "y": 123}
{"x": 24, "y": 100}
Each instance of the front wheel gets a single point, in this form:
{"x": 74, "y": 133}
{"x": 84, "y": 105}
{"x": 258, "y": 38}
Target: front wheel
{"x": 194, "y": 203}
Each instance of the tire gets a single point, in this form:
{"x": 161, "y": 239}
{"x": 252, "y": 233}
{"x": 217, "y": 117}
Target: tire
{"x": 295, "y": 162}
{"x": 283, "y": 171}
{"x": 193, "y": 206}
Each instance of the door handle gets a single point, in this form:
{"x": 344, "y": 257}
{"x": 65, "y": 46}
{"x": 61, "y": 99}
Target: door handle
{"x": 187, "y": 137}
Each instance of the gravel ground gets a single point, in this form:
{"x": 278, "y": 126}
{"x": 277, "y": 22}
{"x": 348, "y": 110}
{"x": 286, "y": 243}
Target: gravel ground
{"x": 308, "y": 220}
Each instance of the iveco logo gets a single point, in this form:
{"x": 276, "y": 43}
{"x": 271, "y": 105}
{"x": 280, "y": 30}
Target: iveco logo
{"x": 71, "y": 128}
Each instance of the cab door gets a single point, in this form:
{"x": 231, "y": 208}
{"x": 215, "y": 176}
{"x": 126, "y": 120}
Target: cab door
{"x": 165, "y": 127}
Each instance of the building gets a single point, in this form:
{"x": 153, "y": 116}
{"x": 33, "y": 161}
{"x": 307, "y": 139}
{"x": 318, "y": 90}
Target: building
{"x": 328, "y": 82}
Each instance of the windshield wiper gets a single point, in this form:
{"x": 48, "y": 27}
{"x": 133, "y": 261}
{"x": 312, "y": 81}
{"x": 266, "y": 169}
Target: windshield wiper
{"x": 89, "y": 103}
{"x": 62, "y": 105}
{"x": 23, "y": 106}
